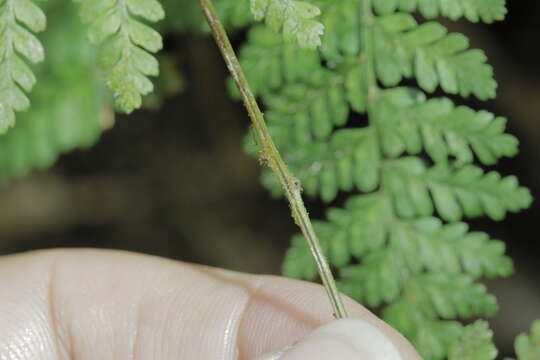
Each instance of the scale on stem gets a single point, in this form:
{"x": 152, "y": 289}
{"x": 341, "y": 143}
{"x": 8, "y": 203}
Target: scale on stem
{"x": 291, "y": 185}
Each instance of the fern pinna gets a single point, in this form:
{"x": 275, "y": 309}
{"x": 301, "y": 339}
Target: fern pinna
{"x": 400, "y": 245}
{"x": 55, "y": 124}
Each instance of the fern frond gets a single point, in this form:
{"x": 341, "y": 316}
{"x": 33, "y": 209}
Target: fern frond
{"x": 269, "y": 63}
{"x": 425, "y": 244}
{"x": 408, "y": 122}
{"x": 341, "y": 37}
{"x": 405, "y": 49}
{"x": 419, "y": 302}
{"x": 432, "y": 337}
{"x": 428, "y": 298}
{"x": 349, "y": 159}
{"x": 527, "y": 346}
{"x": 425, "y": 270}
{"x": 433, "y": 294}
{"x": 475, "y": 343}
{"x": 18, "y": 19}
{"x": 389, "y": 250}
{"x": 457, "y": 192}
{"x": 126, "y": 45}
{"x": 473, "y": 10}
{"x": 57, "y": 124}
{"x": 319, "y": 104}
{"x": 295, "y": 19}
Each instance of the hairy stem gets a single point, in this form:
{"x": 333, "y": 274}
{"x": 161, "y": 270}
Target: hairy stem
{"x": 270, "y": 155}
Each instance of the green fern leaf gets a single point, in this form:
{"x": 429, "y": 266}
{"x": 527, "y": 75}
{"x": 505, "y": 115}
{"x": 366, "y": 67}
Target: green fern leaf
{"x": 475, "y": 344}
{"x": 388, "y": 273}
{"x": 18, "y": 19}
{"x": 387, "y": 248}
{"x": 451, "y": 248}
{"x": 57, "y": 124}
{"x": 341, "y": 36}
{"x": 293, "y": 18}
{"x": 449, "y": 297}
{"x": 408, "y": 122}
{"x": 310, "y": 104}
{"x": 269, "y": 63}
{"x": 424, "y": 244}
{"x": 474, "y": 10}
{"x": 527, "y": 346}
{"x": 351, "y": 232}
{"x": 355, "y": 86}
{"x": 403, "y": 49}
{"x": 126, "y": 45}
{"x": 349, "y": 159}
{"x": 431, "y": 337}
{"x": 464, "y": 191}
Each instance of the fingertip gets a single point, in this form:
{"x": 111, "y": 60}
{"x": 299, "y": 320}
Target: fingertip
{"x": 284, "y": 311}
{"x": 344, "y": 339}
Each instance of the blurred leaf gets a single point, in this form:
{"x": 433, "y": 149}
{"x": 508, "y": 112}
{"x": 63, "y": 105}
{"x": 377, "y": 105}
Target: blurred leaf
{"x": 68, "y": 103}
{"x": 15, "y": 17}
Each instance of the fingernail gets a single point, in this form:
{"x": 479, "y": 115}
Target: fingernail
{"x": 342, "y": 339}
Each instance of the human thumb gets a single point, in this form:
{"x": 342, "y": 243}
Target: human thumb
{"x": 344, "y": 339}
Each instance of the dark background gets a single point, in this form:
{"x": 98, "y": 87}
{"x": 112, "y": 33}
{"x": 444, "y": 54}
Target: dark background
{"x": 175, "y": 182}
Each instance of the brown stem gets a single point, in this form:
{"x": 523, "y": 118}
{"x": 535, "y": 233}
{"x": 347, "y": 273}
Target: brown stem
{"x": 271, "y": 156}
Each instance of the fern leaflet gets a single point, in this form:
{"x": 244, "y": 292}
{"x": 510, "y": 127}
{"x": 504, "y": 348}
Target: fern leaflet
{"x": 475, "y": 344}
{"x": 527, "y": 346}
{"x": 18, "y": 19}
{"x": 474, "y": 10}
{"x": 293, "y": 18}
{"x": 126, "y": 45}
{"x": 403, "y": 49}
{"x": 57, "y": 124}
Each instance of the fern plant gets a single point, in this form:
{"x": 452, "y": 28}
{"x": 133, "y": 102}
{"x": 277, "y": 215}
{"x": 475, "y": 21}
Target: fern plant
{"x": 331, "y": 75}
{"x": 400, "y": 244}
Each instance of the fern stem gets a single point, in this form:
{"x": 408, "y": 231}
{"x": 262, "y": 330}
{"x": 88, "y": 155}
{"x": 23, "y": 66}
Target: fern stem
{"x": 271, "y": 156}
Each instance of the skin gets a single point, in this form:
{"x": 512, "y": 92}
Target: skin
{"x": 104, "y": 304}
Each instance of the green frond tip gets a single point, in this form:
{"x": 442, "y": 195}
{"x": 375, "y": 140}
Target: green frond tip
{"x": 18, "y": 20}
{"x": 126, "y": 46}
{"x": 475, "y": 343}
{"x": 291, "y": 17}
{"x": 527, "y": 346}
{"x": 431, "y": 55}
{"x": 487, "y": 11}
